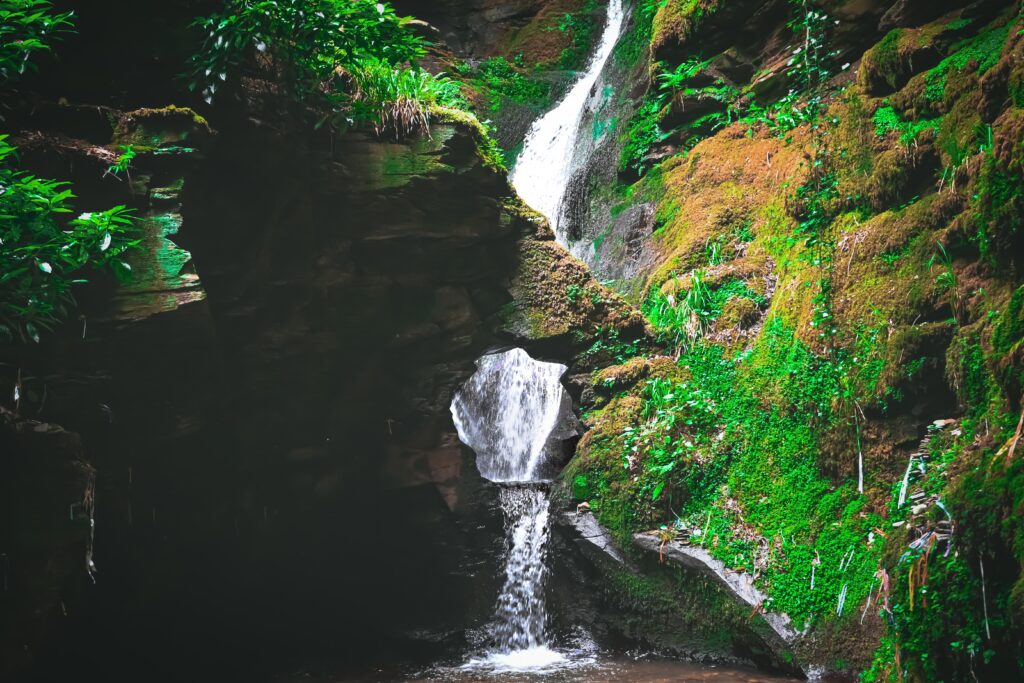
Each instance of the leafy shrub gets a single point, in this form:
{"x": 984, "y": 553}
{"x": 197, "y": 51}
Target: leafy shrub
{"x": 395, "y": 100}
{"x": 42, "y": 254}
{"x": 308, "y": 39}
{"x": 357, "y": 56}
{"x": 504, "y": 80}
{"x": 25, "y": 25}
{"x": 643, "y": 131}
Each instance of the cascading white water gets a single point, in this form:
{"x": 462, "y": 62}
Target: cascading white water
{"x": 508, "y": 413}
{"x": 521, "y": 614}
{"x": 542, "y": 170}
{"x": 514, "y": 408}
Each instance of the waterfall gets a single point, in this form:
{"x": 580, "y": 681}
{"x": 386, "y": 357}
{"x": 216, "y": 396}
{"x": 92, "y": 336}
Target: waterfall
{"x": 509, "y": 411}
{"x": 542, "y": 170}
{"x": 522, "y": 618}
{"x": 512, "y": 413}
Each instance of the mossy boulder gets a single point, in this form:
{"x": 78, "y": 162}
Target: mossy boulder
{"x": 171, "y": 126}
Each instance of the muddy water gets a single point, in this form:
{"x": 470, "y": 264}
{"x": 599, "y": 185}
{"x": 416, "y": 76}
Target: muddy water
{"x": 624, "y": 671}
{"x": 617, "y": 671}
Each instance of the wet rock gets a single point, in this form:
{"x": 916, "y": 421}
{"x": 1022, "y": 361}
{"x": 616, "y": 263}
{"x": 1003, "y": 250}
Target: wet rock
{"x": 47, "y": 498}
{"x": 740, "y": 584}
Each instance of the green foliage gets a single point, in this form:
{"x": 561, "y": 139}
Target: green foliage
{"x": 682, "y": 322}
{"x": 27, "y": 27}
{"x": 42, "y": 253}
{"x": 636, "y": 41}
{"x": 730, "y": 453}
{"x": 675, "y": 80}
{"x": 815, "y": 197}
{"x": 580, "y": 26}
{"x": 982, "y": 50}
{"x": 609, "y": 344}
{"x": 309, "y": 39}
{"x": 502, "y": 80}
{"x": 573, "y": 293}
{"x": 1008, "y": 337}
{"x": 352, "y": 55}
{"x": 123, "y": 162}
{"x": 946, "y": 280}
{"x": 642, "y": 132}
{"x": 998, "y": 205}
{"x": 887, "y": 120}
{"x": 394, "y": 100}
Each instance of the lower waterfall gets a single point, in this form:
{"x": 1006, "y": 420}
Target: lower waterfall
{"x": 512, "y": 412}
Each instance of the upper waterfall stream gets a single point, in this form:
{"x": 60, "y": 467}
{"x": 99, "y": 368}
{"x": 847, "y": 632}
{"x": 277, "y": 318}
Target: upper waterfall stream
{"x": 542, "y": 170}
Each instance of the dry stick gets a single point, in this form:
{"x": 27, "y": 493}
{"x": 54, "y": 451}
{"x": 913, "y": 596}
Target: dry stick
{"x": 860, "y": 454}
{"x": 1016, "y": 435}
{"x": 868, "y": 603}
{"x": 984, "y": 598}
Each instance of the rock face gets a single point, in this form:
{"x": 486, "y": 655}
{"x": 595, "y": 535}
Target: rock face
{"x": 47, "y": 504}
{"x": 740, "y": 584}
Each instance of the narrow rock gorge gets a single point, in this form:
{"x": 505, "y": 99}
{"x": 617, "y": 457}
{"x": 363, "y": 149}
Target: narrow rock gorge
{"x": 568, "y": 340}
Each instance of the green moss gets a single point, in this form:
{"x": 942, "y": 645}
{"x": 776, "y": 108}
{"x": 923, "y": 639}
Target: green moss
{"x": 487, "y": 147}
{"x": 678, "y": 20}
{"x": 980, "y": 52}
{"x": 884, "y": 58}
{"x": 149, "y": 129}
{"x": 744, "y": 435}
{"x": 1009, "y": 331}
{"x": 635, "y": 42}
{"x": 502, "y": 82}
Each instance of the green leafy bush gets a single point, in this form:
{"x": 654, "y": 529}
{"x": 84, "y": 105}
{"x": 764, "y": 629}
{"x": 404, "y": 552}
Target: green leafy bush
{"x": 25, "y": 26}
{"x": 394, "y": 100}
{"x": 307, "y": 39}
{"x": 504, "y": 81}
{"x": 356, "y": 56}
{"x": 643, "y": 132}
{"x": 42, "y": 254}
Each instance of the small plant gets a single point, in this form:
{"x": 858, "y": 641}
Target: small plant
{"x": 675, "y": 80}
{"x": 685, "y": 320}
{"x": 713, "y": 252}
{"x": 395, "y": 101}
{"x": 123, "y": 163}
{"x": 946, "y": 280}
{"x": 573, "y": 294}
{"x": 888, "y": 121}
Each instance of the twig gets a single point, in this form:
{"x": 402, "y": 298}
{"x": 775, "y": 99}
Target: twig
{"x": 984, "y": 597}
{"x": 868, "y": 603}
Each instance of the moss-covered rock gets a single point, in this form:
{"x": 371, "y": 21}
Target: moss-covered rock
{"x": 146, "y": 129}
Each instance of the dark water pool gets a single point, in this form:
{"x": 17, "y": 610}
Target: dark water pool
{"x": 592, "y": 671}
